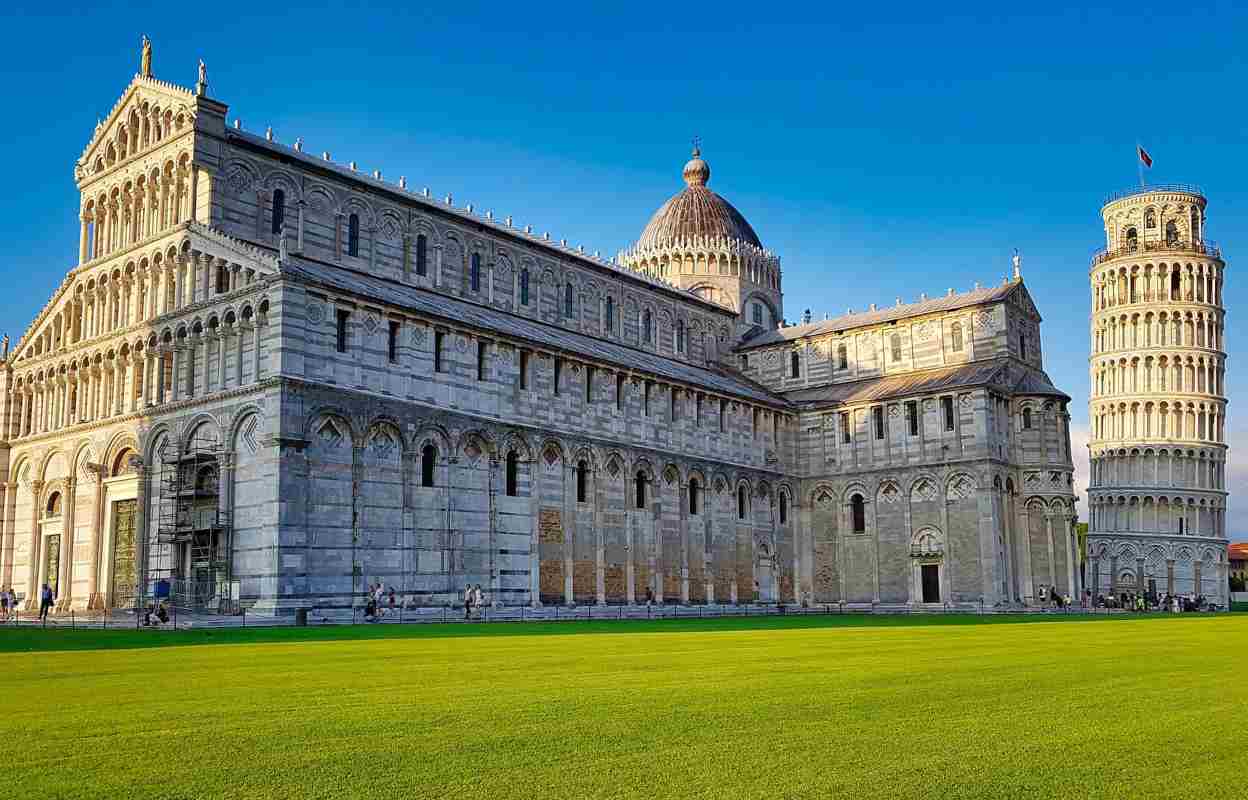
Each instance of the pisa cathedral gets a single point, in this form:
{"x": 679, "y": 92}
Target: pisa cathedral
{"x": 1157, "y": 496}
{"x": 272, "y": 379}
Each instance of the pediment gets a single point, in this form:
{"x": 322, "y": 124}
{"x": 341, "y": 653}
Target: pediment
{"x": 1021, "y": 298}
{"x": 148, "y": 112}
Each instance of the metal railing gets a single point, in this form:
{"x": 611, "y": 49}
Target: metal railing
{"x": 1186, "y": 188}
{"x": 182, "y": 619}
{"x": 1205, "y": 247}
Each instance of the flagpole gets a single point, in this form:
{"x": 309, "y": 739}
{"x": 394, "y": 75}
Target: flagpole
{"x": 1139, "y": 162}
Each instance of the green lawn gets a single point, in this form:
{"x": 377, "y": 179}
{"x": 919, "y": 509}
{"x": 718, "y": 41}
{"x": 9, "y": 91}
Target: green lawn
{"x": 818, "y": 707}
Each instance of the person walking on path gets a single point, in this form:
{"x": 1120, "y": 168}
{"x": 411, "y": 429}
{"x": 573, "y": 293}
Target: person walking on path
{"x": 45, "y": 602}
{"x": 468, "y": 597}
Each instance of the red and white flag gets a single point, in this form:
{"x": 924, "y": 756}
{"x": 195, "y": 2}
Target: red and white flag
{"x": 1145, "y": 158}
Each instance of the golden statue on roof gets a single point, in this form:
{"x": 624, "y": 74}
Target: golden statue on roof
{"x": 145, "y": 58}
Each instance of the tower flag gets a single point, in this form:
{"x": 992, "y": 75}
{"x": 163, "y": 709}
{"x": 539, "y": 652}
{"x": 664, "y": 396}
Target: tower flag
{"x": 1145, "y": 158}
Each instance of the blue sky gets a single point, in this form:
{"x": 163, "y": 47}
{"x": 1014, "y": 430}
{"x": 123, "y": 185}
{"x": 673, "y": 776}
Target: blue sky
{"x": 880, "y": 152}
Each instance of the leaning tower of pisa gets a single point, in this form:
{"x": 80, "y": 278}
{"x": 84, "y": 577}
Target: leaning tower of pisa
{"x": 1157, "y": 493}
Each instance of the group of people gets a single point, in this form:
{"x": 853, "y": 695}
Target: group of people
{"x": 156, "y": 615}
{"x": 474, "y": 599}
{"x": 380, "y": 602}
{"x": 8, "y": 604}
{"x": 1050, "y": 595}
{"x": 1141, "y": 602}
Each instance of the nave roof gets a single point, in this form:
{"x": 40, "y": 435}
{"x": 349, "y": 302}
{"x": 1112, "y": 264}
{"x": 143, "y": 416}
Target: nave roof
{"x": 543, "y": 335}
{"x": 1004, "y": 374}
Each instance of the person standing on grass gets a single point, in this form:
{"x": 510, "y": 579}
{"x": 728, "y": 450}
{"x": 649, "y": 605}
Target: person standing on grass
{"x": 467, "y": 601}
{"x": 478, "y": 597}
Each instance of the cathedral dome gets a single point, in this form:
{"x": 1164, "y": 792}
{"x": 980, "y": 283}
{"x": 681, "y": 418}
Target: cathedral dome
{"x": 696, "y": 215}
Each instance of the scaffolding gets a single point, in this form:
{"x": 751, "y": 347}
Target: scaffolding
{"x": 194, "y": 526}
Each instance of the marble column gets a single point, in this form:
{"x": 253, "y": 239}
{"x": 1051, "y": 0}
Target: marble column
{"x": 65, "y": 585}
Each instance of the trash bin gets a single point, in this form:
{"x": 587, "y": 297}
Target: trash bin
{"x": 301, "y": 617}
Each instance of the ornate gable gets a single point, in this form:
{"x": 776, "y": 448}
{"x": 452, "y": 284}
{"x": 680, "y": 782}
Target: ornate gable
{"x": 1020, "y": 298}
{"x": 149, "y": 112}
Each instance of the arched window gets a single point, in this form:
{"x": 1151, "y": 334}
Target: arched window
{"x": 567, "y": 300}
{"x": 1022, "y": 345}
{"x": 742, "y": 501}
{"x": 795, "y": 365}
{"x": 1172, "y": 233}
{"x": 680, "y": 336}
{"x": 640, "y": 488}
{"x": 895, "y": 344}
{"x": 524, "y": 287}
{"x": 756, "y": 310}
{"x": 842, "y": 357}
{"x": 1026, "y": 419}
{"x": 784, "y": 508}
{"x": 647, "y": 327}
{"x": 582, "y": 482}
{"x": 279, "y": 210}
{"x": 610, "y": 313}
{"x": 353, "y": 235}
{"x": 53, "y": 508}
{"x": 1195, "y": 225}
{"x": 955, "y": 336}
{"x": 1150, "y": 219}
{"x": 513, "y": 473}
{"x": 858, "y": 510}
{"x": 428, "y": 460}
{"x": 1175, "y": 283}
{"x": 474, "y": 273}
{"x": 1132, "y": 239}
{"x": 422, "y": 254}
{"x": 694, "y": 496}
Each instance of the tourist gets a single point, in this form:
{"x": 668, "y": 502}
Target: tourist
{"x": 4, "y": 605}
{"x": 162, "y": 613}
{"x": 478, "y": 597}
{"x": 45, "y": 602}
{"x": 393, "y": 601}
{"x": 468, "y": 601}
{"x": 649, "y": 596}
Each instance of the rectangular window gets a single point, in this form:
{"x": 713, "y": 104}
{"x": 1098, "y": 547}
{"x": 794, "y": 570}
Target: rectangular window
{"x": 697, "y": 412}
{"x": 675, "y": 400}
{"x": 589, "y": 385}
{"x": 343, "y": 316}
{"x": 620, "y": 383}
{"x": 439, "y": 339}
{"x": 483, "y": 351}
{"x": 524, "y": 369}
{"x": 745, "y": 363}
{"x": 723, "y": 415}
{"x": 645, "y": 399}
{"x": 558, "y": 375}
{"x": 912, "y": 416}
{"x": 392, "y": 344}
{"x": 946, "y": 407}
{"x": 422, "y": 254}
{"x": 878, "y": 414}
{"x": 847, "y": 435}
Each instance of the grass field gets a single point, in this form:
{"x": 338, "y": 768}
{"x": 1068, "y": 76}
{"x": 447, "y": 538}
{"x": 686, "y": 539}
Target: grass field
{"x": 934, "y": 707}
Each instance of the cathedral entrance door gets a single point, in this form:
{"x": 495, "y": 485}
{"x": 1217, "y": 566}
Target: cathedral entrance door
{"x": 931, "y": 583}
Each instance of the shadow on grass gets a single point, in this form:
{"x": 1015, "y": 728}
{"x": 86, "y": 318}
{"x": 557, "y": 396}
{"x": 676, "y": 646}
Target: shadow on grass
{"x": 16, "y": 640}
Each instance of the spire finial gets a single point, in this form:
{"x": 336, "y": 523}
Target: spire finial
{"x": 201, "y": 85}
{"x": 1018, "y": 264}
{"x": 697, "y": 146}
